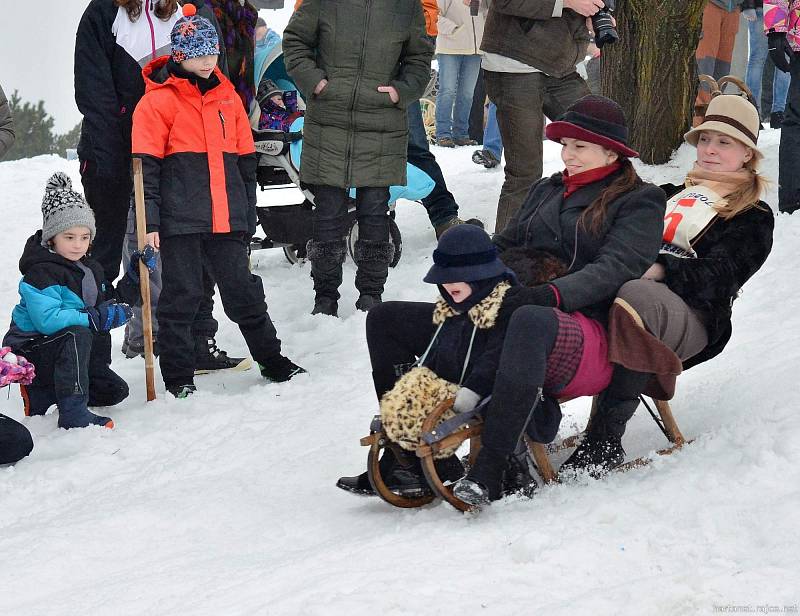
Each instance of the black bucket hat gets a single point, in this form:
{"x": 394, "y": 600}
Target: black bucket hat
{"x": 465, "y": 254}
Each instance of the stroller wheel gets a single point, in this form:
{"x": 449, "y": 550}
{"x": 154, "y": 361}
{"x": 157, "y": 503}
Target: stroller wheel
{"x": 296, "y": 253}
{"x": 394, "y": 237}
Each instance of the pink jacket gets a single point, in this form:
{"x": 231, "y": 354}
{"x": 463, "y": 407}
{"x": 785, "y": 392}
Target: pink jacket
{"x": 783, "y": 16}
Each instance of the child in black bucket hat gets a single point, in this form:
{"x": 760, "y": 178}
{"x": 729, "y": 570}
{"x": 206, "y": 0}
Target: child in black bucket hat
{"x": 461, "y": 359}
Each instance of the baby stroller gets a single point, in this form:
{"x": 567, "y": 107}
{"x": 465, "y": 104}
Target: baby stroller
{"x": 289, "y": 226}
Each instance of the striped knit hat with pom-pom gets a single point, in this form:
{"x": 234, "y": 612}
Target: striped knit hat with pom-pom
{"x": 63, "y": 208}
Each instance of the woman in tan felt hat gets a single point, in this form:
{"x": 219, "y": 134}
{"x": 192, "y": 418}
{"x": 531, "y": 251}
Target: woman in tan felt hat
{"x": 717, "y": 234}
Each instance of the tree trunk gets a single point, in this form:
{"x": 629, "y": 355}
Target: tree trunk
{"x": 651, "y": 71}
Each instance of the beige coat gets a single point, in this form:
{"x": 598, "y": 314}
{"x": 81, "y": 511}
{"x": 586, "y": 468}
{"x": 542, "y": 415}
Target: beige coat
{"x": 459, "y": 32}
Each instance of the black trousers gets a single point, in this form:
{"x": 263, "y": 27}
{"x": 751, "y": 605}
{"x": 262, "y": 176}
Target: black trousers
{"x": 74, "y": 361}
{"x": 15, "y": 441}
{"x": 225, "y": 255}
{"x": 529, "y": 340}
{"x": 330, "y": 213}
{"x": 789, "y": 150}
{"x": 397, "y": 334}
{"x": 440, "y": 204}
{"x": 110, "y": 200}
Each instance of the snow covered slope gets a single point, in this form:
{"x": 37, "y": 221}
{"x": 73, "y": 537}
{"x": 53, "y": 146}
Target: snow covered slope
{"x": 225, "y": 503}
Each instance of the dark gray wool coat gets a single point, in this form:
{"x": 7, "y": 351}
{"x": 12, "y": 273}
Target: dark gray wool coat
{"x": 354, "y": 136}
{"x": 622, "y": 250}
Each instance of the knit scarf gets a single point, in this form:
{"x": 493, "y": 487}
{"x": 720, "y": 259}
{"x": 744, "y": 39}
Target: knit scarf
{"x": 721, "y": 182}
{"x": 238, "y": 25}
{"x": 573, "y": 182}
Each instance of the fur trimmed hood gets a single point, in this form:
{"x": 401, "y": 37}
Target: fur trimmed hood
{"x": 483, "y": 315}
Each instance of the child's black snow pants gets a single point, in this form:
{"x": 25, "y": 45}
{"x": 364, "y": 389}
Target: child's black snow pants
{"x": 242, "y": 294}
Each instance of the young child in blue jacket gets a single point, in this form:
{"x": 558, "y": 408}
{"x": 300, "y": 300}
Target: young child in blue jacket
{"x": 65, "y": 305}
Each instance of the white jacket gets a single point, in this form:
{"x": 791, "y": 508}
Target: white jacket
{"x": 459, "y": 32}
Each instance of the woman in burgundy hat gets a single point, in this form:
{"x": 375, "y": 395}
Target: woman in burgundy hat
{"x": 602, "y": 221}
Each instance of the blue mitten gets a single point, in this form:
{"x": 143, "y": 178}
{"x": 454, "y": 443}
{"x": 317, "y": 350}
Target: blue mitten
{"x": 148, "y": 256}
{"x": 108, "y": 315}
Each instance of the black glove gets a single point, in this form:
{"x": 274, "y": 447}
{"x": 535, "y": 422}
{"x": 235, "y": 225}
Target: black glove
{"x": 515, "y": 297}
{"x": 779, "y": 50}
{"x": 108, "y": 315}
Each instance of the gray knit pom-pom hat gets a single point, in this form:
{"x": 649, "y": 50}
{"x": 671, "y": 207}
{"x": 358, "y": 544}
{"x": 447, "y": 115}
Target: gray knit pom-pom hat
{"x": 63, "y": 208}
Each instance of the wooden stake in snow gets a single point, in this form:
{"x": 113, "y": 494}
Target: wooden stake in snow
{"x": 144, "y": 280}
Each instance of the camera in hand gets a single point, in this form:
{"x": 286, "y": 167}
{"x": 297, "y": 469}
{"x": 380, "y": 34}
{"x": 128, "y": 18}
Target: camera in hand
{"x": 603, "y": 23}
{"x": 473, "y": 7}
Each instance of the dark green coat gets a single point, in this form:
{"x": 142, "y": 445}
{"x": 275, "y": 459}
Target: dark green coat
{"x": 354, "y": 136}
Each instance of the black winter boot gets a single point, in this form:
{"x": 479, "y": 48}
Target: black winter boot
{"x": 404, "y": 479}
{"x": 208, "y": 357}
{"x": 601, "y": 450}
{"x": 73, "y": 413}
{"x": 326, "y": 271}
{"x": 280, "y": 369}
{"x": 372, "y": 258}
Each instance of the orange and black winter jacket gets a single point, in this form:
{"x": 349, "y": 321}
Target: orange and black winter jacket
{"x": 197, "y": 154}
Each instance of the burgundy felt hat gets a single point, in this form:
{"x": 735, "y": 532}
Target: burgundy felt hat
{"x": 595, "y": 119}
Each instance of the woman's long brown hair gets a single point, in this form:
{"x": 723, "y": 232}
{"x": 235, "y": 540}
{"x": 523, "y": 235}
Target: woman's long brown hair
{"x": 164, "y": 8}
{"x": 594, "y": 216}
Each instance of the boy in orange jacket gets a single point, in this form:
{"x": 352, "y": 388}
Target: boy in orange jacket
{"x": 198, "y": 157}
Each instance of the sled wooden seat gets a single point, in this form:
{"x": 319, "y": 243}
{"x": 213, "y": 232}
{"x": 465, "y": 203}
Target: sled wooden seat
{"x": 471, "y": 430}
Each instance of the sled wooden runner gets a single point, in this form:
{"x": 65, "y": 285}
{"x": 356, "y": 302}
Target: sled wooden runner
{"x": 377, "y": 442}
{"x": 426, "y": 451}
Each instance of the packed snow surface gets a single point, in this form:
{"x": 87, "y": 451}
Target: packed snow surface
{"x": 224, "y": 503}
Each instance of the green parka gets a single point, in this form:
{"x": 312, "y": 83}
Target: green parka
{"x": 354, "y": 136}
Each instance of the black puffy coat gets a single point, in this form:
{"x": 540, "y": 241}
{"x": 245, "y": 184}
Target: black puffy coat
{"x": 600, "y": 263}
{"x": 728, "y": 254}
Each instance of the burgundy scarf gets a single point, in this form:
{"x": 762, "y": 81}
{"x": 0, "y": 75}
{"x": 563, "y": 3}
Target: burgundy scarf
{"x": 573, "y": 182}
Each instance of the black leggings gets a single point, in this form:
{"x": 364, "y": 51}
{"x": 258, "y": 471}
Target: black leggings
{"x": 529, "y": 340}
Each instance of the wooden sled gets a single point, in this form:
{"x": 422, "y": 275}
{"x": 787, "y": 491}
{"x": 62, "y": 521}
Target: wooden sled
{"x": 470, "y": 429}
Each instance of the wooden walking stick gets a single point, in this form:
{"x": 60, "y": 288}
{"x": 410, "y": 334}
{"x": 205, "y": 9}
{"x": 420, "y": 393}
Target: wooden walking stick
{"x": 144, "y": 280}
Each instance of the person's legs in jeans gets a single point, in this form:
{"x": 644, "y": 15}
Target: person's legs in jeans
{"x": 757, "y": 54}
{"x": 449, "y": 68}
{"x": 492, "y": 140}
{"x": 780, "y": 90}
{"x": 372, "y": 251}
{"x": 789, "y": 151}
{"x": 468, "y": 70}
{"x": 327, "y": 248}
{"x": 491, "y": 153}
